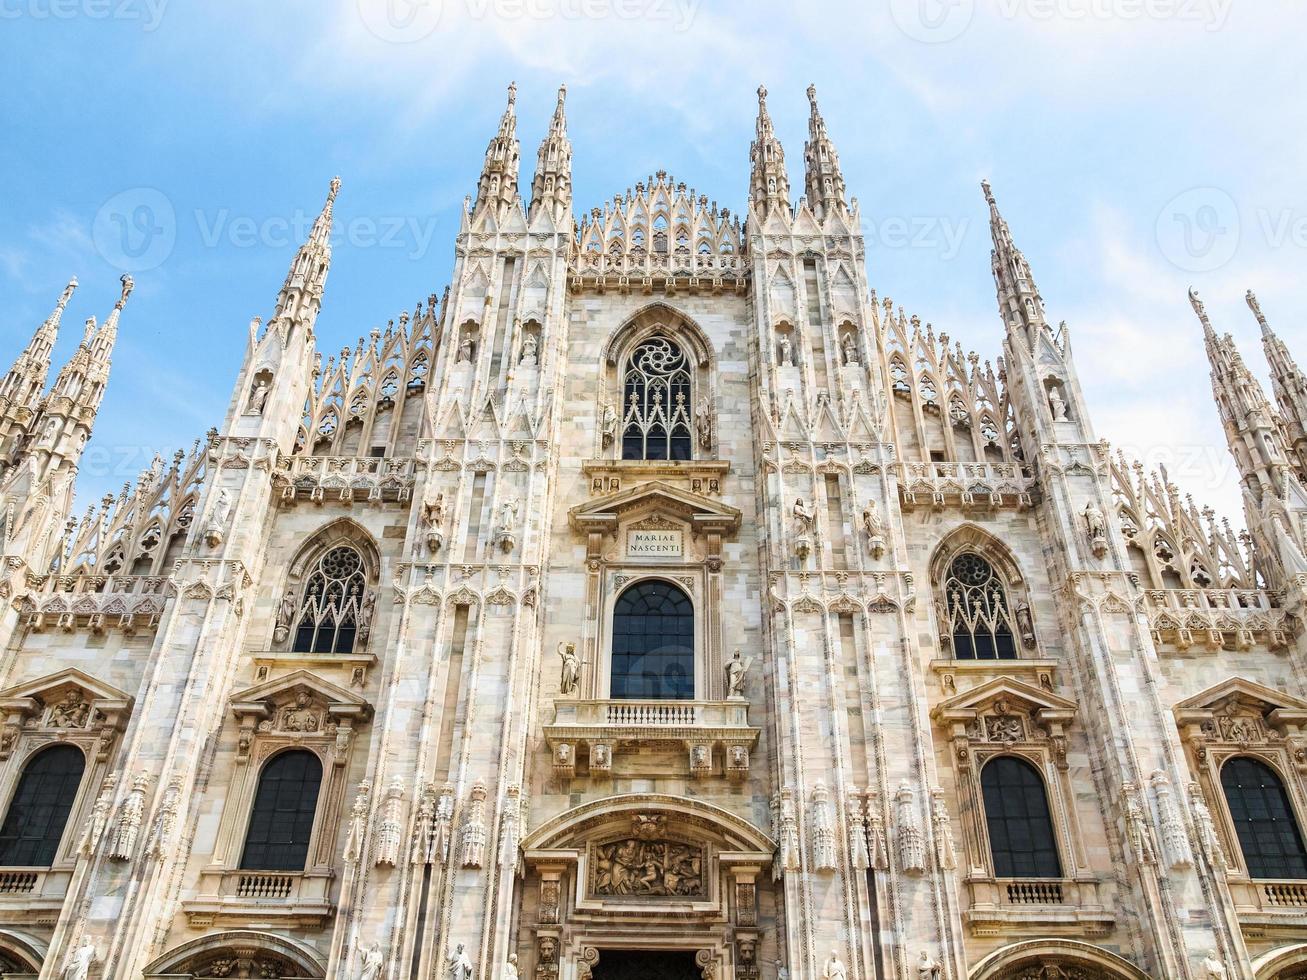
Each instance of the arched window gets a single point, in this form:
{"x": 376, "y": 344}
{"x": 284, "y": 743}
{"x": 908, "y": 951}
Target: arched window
{"x": 976, "y": 606}
{"x": 656, "y": 420}
{"x": 1021, "y": 837}
{"x": 39, "y": 810}
{"x": 284, "y": 807}
{"x": 1263, "y": 818}
{"x": 335, "y": 604}
{"x": 653, "y": 643}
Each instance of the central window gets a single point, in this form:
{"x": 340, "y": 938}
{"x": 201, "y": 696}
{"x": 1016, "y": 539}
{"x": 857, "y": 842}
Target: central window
{"x": 977, "y": 608}
{"x": 653, "y": 643}
{"x": 333, "y": 601}
{"x": 656, "y": 415}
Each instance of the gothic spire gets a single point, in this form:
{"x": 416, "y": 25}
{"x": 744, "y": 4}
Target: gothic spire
{"x": 301, "y": 294}
{"x": 1288, "y": 385}
{"x": 23, "y": 385}
{"x": 1252, "y": 429}
{"x": 1018, "y": 297}
{"x": 769, "y": 185}
{"x": 81, "y": 381}
{"x": 497, "y": 188}
{"x": 551, "y": 188}
{"x": 823, "y": 179}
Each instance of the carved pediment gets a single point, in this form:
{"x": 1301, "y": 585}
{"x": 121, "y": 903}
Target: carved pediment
{"x": 300, "y": 701}
{"x": 1240, "y": 710}
{"x": 650, "y": 501}
{"x": 69, "y": 699}
{"x": 1005, "y": 697}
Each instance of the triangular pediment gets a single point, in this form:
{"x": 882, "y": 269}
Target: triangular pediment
{"x": 51, "y": 686}
{"x": 1242, "y": 691}
{"x": 654, "y": 498}
{"x": 272, "y": 693}
{"x": 1031, "y": 699}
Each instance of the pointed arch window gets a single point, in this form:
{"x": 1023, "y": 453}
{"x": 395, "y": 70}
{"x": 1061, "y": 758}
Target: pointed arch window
{"x": 1263, "y": 817}
{"x": 657, "y": 418}
{"x": 335, "y": 608}
{"x": 285, "y": 805}
{"x": 653, "y": 643}
{"x": 38, "y": 812}
{"x": 1021, "y": 839}
{"x": 976, "y": 605}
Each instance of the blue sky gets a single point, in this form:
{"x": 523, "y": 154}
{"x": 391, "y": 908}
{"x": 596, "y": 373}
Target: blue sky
{"x": 1136, "y": 147}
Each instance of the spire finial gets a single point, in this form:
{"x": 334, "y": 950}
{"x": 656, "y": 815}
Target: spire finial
{"x": 1201, "y": 309}
{"x": 989, "y": 192}
{"x": 128, "y": 284}
{"x": 762, "y": 96}
{"x": 1251, "y": 298}
{"x": 334, "y": 190}
{"x": 512, "y": 94}
{"x": 812, "y": 96}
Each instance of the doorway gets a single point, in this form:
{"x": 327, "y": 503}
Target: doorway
{"x": 646, "y": 964}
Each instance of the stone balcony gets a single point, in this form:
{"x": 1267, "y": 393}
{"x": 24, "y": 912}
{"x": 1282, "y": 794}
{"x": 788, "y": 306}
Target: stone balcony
{"x": 586, "y": 736}
{"x": 1269, "y": 905}
{"x": 940, "y": 484}
{"x": 33, "y": 894}
{"x": 345, "y": 478}
{"x": 1069, "y": 906}
{"x": 283, "y": 898}
{"x": 1231, "y": 619}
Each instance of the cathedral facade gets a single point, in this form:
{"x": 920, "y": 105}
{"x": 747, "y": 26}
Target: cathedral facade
{"x": 658, "y": 603}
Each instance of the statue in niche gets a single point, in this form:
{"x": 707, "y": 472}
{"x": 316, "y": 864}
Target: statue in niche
{"x": 71, "y": 711}
{"x": 608, "y": 425}
{"x": 78, "y": 965}
{"x": 258, "y": 397}
{"x": 505, "y": 533}
{"x": 465, "y": 349}
{"x": 1213, "y": 968}
{"x": 1096, "y": 528}
{"x": 874, "y": 525}
{"x": 433, "y": 520}
{"x": 834, "y": 968}
{"x": 286, "y": 610}
{"x": 787, "y": 351}
{"x": 571, "y": 670}
{"x": 1025, "y": 625}
{"x": 703, "y": 423}
{"x": 850, "y": 349}
{"x": 737, "y": 668}
{"x": 529, "y": 356}
{"x": 371, "y": 962}
{"x": 458, "y": 966}
{"x": 213, "y": 534}
{"x": 803, "y": 517}
{"x": 928, "y": 967}
{"x": 1057, "y": 404}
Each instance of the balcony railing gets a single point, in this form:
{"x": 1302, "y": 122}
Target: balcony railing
{"x": 264, "y": 885}
{"x": 1266, "y": 901}
{"x": 936, "y": 484}
{"x": 1037, "y": 892}
{"x": 1217, "y": 618}
{"x": 234, "y": 897}
{"x": 1000, "y": 904}
{"x": 346, "y": 478}
{"x": 716, "y": 734}
{"x": 126, "y": 602}
{"x": 18, "y": 882}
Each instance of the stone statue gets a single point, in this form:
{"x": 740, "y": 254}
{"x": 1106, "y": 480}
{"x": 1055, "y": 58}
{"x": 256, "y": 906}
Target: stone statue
{"x": 464, "y": 350}
{"x": 371, "y": 962}
{"x": 608, "y": 425}
{"x": 99, "y": 820}
{"x": 71, "y": 711}
{"x": 367, "y": 606}
{"x": 1057, "y": 404}
{"x": 458, "y": 966}
{"x": 1096, "y": 527}
{"x": 834, "y": 968}
{"x": 571, "y": 672}
{"x": 1208, "y": 841}
{"x": 1213, "y": 968}
{"x": 286, "y": 610}
{"x": 928, "y": 967}
{"x": 433, "y": 519}
{"x": 78, "y": 964}
{"x": 1025, "y": 624}
{"x": 787, "y": 351}
{"x": 850, "y": 349}
{"x": 510, "y": 968}
{"x": 875, "y": 528}
{"x": 258, "y": 397}
{"x": 703, "y": 423}
{"x": 300, "y": 717}
{"x": 736, "y": 670}
{"x": 803, "y": 516}
{"x": 505, "y": 535}
{"x": 529, "y": 356}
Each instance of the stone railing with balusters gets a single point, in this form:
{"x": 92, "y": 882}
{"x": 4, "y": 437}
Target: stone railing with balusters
{"x": 1218, "y": 618}
{"x": 345, "y": 478}
{"x": 1000, "y": 904}
{"x": 99, "y": 602}
{"x": 586, "y": 736}
{"x": 642, "y": 270}
{"x": 1264, "y": 902}
{"x": 939, "y": 484}
{"x": 235, "y": 897}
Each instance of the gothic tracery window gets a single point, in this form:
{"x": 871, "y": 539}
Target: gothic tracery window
{"x": 656, "y": 421}
{"x": 1263, "y": 818}
{"x": 976, "y": 607}
{"x": 335, "y": 605}
{"x": 285, "y": 804}
{"x": 38, "y": 812}
{"x": 653, "y": 643}
{"x": 1021, "y": 839}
